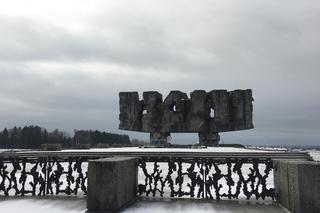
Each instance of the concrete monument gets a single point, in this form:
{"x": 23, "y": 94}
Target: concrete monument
{"x": 206, "y": 113}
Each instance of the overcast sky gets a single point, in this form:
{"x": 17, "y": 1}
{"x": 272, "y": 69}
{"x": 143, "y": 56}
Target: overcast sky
{"x": 63, "y": 62}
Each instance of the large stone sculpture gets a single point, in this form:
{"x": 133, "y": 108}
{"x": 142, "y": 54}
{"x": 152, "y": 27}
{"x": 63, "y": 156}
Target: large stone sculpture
{"x": 206, "y": 113}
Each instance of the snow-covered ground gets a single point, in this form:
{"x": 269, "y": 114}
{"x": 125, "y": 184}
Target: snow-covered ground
{"x": 137, "y": 149}
{"x": 315, "y": 154}
{"x": 74, "y": 205}
{"x": 42, "y": 205}
{"x": 194, "y": 206}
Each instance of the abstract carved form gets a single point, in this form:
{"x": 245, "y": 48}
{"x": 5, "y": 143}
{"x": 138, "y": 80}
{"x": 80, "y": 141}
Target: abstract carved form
{"x": 206, "y": 178}
{"x": 43, "y": 176}
{"x": 206, "y": 113}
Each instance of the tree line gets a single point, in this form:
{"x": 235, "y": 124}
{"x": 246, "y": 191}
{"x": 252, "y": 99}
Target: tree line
{"x": 32, "y": 137}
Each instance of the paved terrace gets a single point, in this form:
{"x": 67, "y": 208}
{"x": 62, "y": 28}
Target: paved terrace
{"x": 78, "y": 205}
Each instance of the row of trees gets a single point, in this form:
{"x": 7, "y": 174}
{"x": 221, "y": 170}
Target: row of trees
{"x": 96, "y": 137}
{"x": 32, "y": 137}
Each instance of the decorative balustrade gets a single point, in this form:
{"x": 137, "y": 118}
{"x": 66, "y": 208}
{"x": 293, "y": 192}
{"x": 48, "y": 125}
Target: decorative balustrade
{"x": 201, "y": 178}
{"x": 206, "y": 178}
{"x": 43, "y": 176}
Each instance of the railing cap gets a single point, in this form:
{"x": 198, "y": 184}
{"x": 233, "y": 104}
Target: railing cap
{"x": 114, "y": 159}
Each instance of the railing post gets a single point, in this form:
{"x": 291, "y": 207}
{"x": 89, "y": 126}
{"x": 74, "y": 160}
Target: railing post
{"x": 204, "y": 166}
{"x": 112, "y": 184}
{"x": 297, "y": 185}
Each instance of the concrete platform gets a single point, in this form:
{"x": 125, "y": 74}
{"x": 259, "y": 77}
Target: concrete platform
{"x": 78, "y": 205}
{"x": 198, "y": 206}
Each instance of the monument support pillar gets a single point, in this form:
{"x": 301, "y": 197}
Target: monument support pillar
{"x": 159, "y": 137}
{"x": 209, "y": 138}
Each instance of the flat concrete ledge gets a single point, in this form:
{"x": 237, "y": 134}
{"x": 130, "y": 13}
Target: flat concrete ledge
{"x": 297, "y": 185}
{"x": 112, "y": 184}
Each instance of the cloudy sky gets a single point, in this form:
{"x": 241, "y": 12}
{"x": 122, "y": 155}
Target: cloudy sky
{"x": 62, "y": 63}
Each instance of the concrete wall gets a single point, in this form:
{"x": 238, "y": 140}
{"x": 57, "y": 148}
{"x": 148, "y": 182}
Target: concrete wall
{"x": 112, "y": 184}
{"x": 297, "y": 185}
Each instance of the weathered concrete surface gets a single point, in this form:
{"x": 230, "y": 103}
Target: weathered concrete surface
{"x": 206, "y": 113}
{"x": 152, "y": 115}
{"x": 209, "y": 138}
{"x": 130, "y": 111}
{"x": 159, "y": 137}
{"x": 218, "y": 101}
{"x": 174, "y": 108}
{"x": 112, "y": 184}
{"x": 280, "y": 174}
{"x": 297, "y": 185}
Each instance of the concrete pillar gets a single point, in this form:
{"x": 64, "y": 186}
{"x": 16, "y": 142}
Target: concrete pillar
{"x": 112, "y": 184}
{"x": 297, "y": 185}
{"x": 209, "y": 138}
{"x": 159, "y": 138}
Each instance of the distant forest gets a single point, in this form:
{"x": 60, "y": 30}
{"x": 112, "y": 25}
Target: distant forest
{"x": 32, "y": 137}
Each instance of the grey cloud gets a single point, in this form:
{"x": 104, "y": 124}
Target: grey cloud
{"x": 29, "y": 40}
{"x": 271, "y": 47}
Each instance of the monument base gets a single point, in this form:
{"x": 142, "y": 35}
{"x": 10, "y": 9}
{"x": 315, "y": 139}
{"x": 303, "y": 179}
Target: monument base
{"x": 209, "y": 138}
{"x": 159, "y": 138}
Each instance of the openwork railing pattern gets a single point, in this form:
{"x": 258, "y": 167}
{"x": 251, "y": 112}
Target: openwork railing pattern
{"x": 206, "y": 178}
{"x": 202, "y": 178}
{"x": 43, "y": 176}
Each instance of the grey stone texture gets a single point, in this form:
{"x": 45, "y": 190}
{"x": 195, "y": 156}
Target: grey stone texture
{"x": 174, "y": 108}
{"x": 209, "y": 138}
{"x": 159, "y": 137}
{"x": 178, "y": 113}
{"x": 130, "y": 111}
{"x": 152, "y": 114}
{"x": 112, "y": 184}
{"x": 297, "y": 185}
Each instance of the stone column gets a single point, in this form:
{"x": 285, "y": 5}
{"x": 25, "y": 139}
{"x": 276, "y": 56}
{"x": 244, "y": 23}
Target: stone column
{"x": 112, "y": 184}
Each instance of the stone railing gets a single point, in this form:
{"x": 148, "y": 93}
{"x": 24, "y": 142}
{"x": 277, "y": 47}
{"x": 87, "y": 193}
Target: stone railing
{"x": 296, "y": 182}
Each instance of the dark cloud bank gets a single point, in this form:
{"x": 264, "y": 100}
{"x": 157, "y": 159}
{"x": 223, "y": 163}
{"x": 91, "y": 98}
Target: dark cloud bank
{"x": 68, "y": 76}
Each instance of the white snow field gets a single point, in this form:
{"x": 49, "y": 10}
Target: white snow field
{"x": 137, "y": 149}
